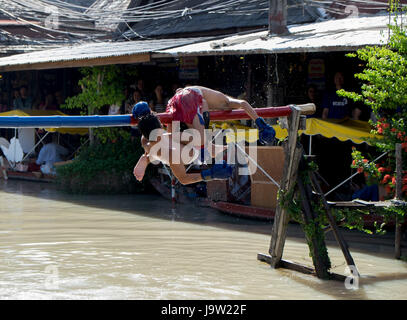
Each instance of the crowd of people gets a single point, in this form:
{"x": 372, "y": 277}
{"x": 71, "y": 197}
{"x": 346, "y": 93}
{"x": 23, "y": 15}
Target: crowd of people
{"x": 22, "y": 99}
{"x": 329, "y": 104}
{"x": 157, "y": 99}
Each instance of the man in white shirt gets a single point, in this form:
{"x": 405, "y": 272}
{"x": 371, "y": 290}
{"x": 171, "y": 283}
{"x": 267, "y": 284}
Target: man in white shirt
{"x": 50, "y": 153}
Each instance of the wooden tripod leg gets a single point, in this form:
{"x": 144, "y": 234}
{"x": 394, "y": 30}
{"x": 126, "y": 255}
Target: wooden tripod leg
{"x": 281, "y": 219}
{"x": 317, "y": 246}
{"x": 341, "y": 241}
{"x": 293, "y": 152}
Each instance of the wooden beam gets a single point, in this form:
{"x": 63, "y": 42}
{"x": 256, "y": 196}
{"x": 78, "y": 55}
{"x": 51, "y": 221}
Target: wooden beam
{"x": 321, "y": 267}
{"x": 127, "y": 59}
{"x": 338, "y": 236}
{"x": 293, "y": 153}
{"x": 299, "y": 267}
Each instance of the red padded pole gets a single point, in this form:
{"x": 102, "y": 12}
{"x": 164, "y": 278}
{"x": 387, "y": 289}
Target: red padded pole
{"x": 237, "y": 114}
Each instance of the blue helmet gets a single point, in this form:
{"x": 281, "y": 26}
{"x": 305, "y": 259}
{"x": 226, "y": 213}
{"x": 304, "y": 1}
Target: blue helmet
{"x": 141, "y": 109}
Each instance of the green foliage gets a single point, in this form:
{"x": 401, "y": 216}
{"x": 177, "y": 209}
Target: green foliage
{"x": 291, "y": 201}
{"x": 103, "y": 168}
{"x": 370, "y": 169}
{"x": 113, "y": 135}
{"x": 384, "y": 90}
{"x": 101, "y": 86}
{"x": 314, "y": 229}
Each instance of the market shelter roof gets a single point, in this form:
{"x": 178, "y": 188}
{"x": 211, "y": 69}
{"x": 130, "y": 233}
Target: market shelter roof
{"x": 91, "y": 54}
{"x": 332, "y": 35}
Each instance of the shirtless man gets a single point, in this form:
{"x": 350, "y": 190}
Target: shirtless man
{"x": 191, "y": 106}
{"x": 160, "y": 147}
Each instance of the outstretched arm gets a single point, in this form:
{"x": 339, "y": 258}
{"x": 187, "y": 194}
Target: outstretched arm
{"x": 234, "y": 103}
{"x": 141, "y": 166}
{"x": 266, "y": 132}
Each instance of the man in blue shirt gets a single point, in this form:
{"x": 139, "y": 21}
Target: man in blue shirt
{"x": 334, "y": 106}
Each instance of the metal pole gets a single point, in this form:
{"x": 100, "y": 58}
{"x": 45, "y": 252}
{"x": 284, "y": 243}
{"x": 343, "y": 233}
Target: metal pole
{"x": 257, "y": 165}
{"x": 399, "y": 177}
{"x": 356, "y": 173}
{"x": 35, "y": 146}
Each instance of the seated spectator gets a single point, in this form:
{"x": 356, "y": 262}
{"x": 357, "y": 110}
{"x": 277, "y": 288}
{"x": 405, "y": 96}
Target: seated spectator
{"x": 114, "y": 109}
{"x": 158, "y": 103}
{"x": 334, "y": 106}
{"x": 16, "y": 95}
{"x": 128, "y": 103}
{"x": 50, "y": 153}
{"x": 24, "y": 102}
{"x": 140, "y": 87}
{"x": 49, "y": 103}
{"x": 137, "y": 97}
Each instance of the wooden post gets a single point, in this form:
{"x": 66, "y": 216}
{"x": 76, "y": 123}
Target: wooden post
{"x": 3, "y": 168}
{"x": 293, "y": 153}
{"x": 399, "y": 177}
{"x": 341, "y": 241}
{"x": 321, "y": 265}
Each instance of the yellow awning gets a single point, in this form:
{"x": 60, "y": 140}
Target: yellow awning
{"x": 31, "y": 113}
{"x": 342, "y": 129}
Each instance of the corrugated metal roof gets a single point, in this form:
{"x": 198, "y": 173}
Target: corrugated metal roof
{"x": 240, "y": 14}
{"x": 332, "y": 35}
{"x": 18, "y": 49}
{"x": 91, "y": 51}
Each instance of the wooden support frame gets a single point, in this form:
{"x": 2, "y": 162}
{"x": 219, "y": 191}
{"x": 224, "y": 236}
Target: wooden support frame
{"x": 292, "y": 150}
{"x": 294, "y": 153}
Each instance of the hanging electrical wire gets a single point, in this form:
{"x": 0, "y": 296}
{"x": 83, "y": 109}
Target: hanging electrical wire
{"x": 98, "y": 21}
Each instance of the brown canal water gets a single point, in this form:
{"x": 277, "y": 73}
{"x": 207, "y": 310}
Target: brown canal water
{"x": 59, "y": 246}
